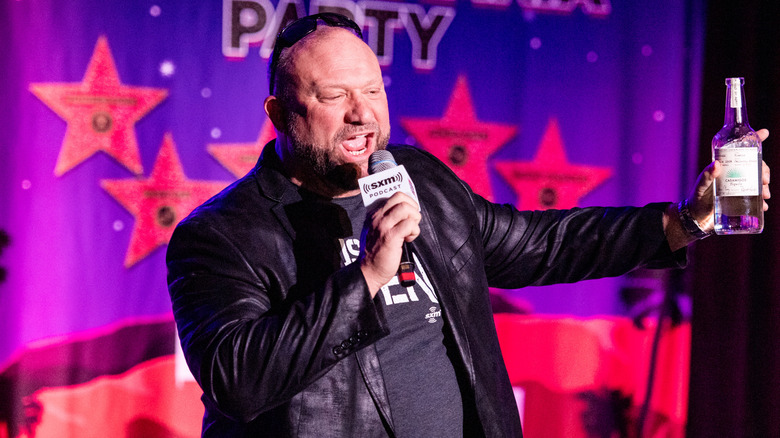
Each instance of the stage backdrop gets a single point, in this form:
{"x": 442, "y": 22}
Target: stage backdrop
{"x": 118, "y": 117}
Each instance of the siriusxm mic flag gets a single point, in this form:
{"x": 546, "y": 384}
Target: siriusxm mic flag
{"x": 385, "y": 184}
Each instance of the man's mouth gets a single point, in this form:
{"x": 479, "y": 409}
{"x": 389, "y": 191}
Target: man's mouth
{"x": 357, "y": 145}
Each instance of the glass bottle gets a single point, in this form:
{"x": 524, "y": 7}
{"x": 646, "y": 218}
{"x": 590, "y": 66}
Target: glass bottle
{"x": 739, "y": 206}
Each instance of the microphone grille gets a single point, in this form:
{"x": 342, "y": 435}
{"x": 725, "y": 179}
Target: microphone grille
{"x": 380, "y": 160}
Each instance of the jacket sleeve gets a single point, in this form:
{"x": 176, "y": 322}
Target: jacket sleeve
{"x": 249, "y": 352}
{"x": 566, "y": 246}
{"x": 527, "y": 248}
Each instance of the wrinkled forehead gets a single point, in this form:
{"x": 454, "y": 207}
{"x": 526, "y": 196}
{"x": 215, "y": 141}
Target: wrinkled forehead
{"x": 334, "y": 50}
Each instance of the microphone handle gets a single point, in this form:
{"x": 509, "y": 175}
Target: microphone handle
{"x": 406, "y": 268}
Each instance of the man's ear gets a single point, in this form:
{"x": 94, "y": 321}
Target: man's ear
{"x": 273, "y": 109}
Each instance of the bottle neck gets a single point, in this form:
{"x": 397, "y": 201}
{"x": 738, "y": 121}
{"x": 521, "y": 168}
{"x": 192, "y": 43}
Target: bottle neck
{"x": 736, "y": 110}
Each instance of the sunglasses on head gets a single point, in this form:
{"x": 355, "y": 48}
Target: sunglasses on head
{"x": 295, "y": 31}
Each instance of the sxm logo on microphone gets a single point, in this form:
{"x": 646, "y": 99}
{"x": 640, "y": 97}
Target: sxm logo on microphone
{"x": 388, "y": 184}
{"x": 384, "y": 184}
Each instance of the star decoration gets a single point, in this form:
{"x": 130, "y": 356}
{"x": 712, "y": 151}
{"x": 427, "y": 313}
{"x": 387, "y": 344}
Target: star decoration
{"x": 240, "y": 158}
{"x": 550, "y": 181}
{"x": 460, "y": 140}
{"x": 159, "y": 202}
{"x": 100, "y": 112}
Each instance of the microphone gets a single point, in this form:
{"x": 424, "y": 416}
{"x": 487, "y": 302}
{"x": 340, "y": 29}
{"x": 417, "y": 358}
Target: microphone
{"x": 382, "y": 164}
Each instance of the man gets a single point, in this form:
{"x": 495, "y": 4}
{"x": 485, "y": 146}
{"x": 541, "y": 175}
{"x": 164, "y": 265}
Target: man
{"x": 295, "y": 325}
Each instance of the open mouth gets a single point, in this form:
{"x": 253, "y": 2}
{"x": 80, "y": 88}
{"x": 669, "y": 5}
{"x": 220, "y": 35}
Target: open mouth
{"x": 357, "y": 145}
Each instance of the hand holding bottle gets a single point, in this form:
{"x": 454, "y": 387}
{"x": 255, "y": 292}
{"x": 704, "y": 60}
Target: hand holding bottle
{"x": 737, "y": 190}
{"x": 701, "y": 200}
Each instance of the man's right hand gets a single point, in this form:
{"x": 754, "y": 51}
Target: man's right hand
{"x": 395, "y": 222}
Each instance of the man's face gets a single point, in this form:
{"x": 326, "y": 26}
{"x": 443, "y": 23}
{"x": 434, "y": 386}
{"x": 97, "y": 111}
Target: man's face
{"x": 338, "y": 113}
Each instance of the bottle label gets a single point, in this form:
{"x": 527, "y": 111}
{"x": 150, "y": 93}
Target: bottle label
{"x": 740, "y": 172}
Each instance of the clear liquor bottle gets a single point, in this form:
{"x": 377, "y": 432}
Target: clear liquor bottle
{"x": 739, "y": 207}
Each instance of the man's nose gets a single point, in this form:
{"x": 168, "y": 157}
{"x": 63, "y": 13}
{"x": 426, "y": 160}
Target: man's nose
{"x": 359, "y": 111}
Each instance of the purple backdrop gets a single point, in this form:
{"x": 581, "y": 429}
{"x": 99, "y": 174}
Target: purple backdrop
{"x": 609, "y": 88}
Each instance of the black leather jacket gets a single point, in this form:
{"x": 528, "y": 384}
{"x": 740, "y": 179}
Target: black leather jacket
{"x": 280, "y": 339}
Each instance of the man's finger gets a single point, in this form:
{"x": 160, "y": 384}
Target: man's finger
{"x": 706, "y": 178}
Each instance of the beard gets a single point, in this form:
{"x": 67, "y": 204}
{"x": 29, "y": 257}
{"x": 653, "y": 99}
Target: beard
{"x": 325, "y": 161}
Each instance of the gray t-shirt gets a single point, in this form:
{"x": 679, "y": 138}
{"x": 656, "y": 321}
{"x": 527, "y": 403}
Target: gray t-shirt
{"x": 419, "y": 376}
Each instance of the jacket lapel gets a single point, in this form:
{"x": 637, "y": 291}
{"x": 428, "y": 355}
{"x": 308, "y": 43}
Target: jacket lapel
{"x": 429, "y": 249}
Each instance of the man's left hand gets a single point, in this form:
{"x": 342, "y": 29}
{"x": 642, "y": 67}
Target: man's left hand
{"x": 701, "y": 201}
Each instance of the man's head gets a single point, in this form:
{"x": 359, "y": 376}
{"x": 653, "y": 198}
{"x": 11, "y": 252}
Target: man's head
{"x": 329, "y": 107}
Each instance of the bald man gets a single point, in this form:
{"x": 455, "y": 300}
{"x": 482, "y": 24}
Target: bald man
{"x": 284, "y": 286}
